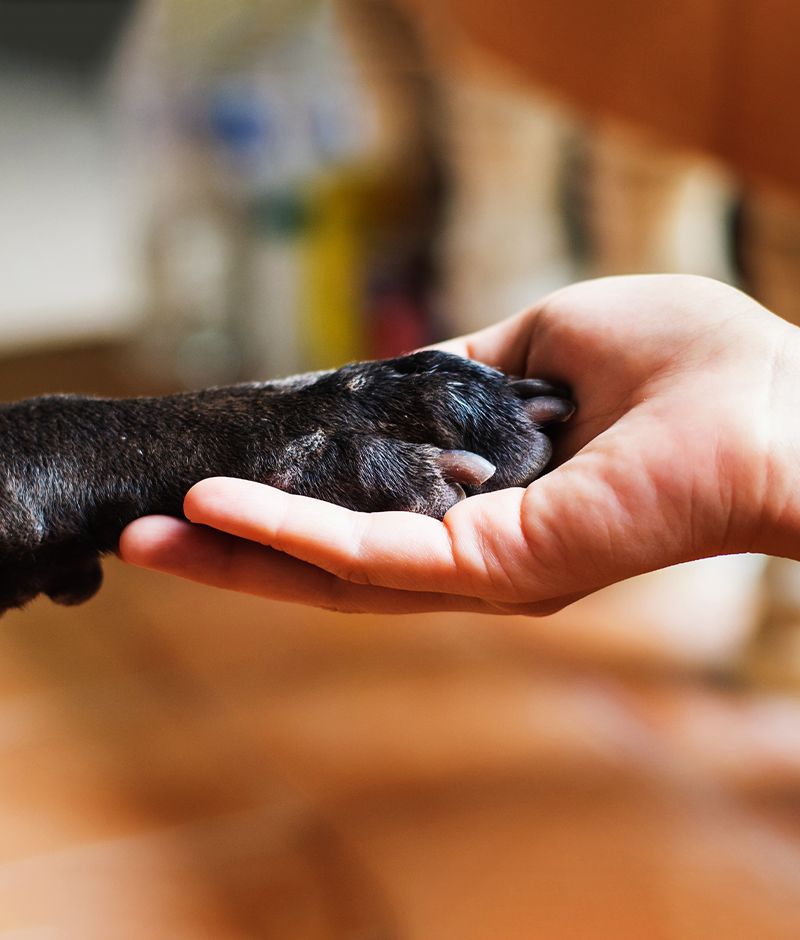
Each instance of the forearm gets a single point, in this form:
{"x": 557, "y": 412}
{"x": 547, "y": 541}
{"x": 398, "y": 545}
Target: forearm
{"x": 79, "y": 469}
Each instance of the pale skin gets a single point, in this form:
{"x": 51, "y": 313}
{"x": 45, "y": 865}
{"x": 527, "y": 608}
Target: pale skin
{"x": 684, "y": 445}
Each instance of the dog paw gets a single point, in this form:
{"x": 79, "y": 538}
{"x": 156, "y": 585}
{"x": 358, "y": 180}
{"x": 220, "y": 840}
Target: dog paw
{"x": 419, "y": 433}
{"x": 66, "y": 574}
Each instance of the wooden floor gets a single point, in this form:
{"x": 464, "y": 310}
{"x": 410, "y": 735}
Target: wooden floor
{"x": 178, "y": 762}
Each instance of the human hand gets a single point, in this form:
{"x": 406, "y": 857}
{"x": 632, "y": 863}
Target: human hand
{"x": 679, "y": 450}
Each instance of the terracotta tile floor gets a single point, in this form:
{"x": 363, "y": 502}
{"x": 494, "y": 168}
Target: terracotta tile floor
{"x": 179, "y": 762}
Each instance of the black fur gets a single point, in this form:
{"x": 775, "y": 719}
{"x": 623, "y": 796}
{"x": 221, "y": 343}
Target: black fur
{"x": 370, "y": 436}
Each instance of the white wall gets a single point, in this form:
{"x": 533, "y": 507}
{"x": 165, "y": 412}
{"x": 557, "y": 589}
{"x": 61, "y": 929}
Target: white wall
{"x": 69, "y": 226}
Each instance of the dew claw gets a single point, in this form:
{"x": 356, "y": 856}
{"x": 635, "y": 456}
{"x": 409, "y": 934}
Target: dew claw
{"x": 462, "y": 466}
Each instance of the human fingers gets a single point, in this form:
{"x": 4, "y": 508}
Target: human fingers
{"x": 482, "y": 562}
{"x": 389, "y": 549}
{"x": 196, "y": 553}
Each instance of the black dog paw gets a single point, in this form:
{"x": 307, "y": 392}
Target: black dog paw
{"x": 73, "y": 577}
{"x": 68, "y": 575}
{"x": 420, "y": 433}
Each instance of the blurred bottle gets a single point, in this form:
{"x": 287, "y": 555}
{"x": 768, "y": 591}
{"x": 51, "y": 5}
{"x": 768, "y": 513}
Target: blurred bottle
{"x": 286, "y": 139}
{"x": 284, "y": 239}
{"x": 251, "y": 140}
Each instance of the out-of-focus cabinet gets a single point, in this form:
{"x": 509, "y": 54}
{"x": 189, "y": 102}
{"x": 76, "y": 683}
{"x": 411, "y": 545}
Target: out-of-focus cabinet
{"x": 721, "y": 76}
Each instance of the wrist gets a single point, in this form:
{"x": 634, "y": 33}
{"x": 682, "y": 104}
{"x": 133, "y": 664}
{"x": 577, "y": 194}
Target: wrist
{"x": 776, "y": 528}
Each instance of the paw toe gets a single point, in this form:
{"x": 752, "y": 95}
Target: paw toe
{"x": 547, "y": 409}
{"x": 74, "y": 582}
{"x": 531, "y": 388}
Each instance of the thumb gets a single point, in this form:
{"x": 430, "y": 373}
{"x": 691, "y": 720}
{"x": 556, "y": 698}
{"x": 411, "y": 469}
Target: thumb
{"x": 598, "y": 519}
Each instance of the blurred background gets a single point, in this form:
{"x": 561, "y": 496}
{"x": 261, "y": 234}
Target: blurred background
{"x": 195, "y": 192}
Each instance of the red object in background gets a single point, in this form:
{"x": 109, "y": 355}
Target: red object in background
{"x": 396, "y": 324}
